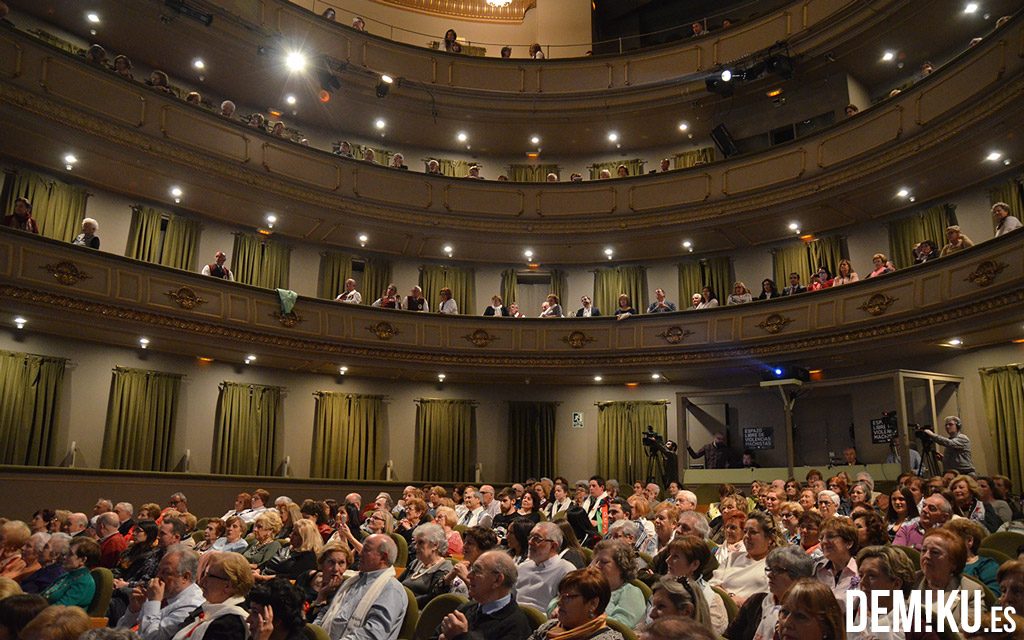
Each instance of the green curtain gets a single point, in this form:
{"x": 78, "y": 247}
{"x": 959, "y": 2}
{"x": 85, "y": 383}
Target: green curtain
{"x": 691, "y": 281}
{"x": 620, "y": 452}
{"x": 335, "y": 269}
{"x": 57, "y": 207}
{"x": 560, "y": 286}
{"x": 718, "y": 276}
{"x": 904, "y": 233}
{"x": 610, "y": 283}
{"x": 141, "y": 413}
{"x": 606, "y": 290}
{"x": 693, "y": 158}
{"x": 509, "y": 286}
{"x": 531, "y": 440}
{"x": 1003, "y": 391}
{"x": 634, "y": 166}
{"x": 181, "y": 243}
{"x": 163, "y": 238}
{"x": 827, "y": 252}
{"x": 451, "y": 168}
{"x": 376, "y": 278}
{"x": 532, "y": 172}
{"x": 1008, "y": 192}
{"x": 247, "y": 431}
{"x": 789, "y": 259}
{"x": 260, "y": 262}
{"x": 30, "y": 393}
{"x": 380, "y": 156}
{"x": 445, "y": 435}
{"x": 348, "y": 436}
{"x": 462, "y": 282}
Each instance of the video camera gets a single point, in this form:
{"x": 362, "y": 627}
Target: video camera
{"x": 652, "y": 441}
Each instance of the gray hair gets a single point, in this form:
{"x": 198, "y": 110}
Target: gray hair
{"x": 502, "y": 563}
{"x": 109, "y": 633}
{"x": 79, "y": 519}
{"x": 698, "y": 522}
{"x": 179, "y": 496}
{"x": 127, "y": 506}
{"x": 38, "y": 540}
{"x": 550, "y": 531}
{"x": 60, "y": 545}
{"x": 944, "y": 506}
{"x": 188, "y": 559}
{"x": 227, "y": 103}
{"x": 434, "y": 534}
{"x": 831, "y": 495}
{"x": 91, "y": 221}
{"x": 793, "y": 560}
{"x": 623, "y": 555}
{"x": 283, "y": 500}
{"x": 629, "y": 525}
{"x": 687, "y": 495}
{"x": 865, "y": 477}
{"x": 611, "y": 482}
{"x": 390, "y": 549}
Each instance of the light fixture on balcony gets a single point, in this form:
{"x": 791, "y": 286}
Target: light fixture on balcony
{"x": 291, "y": 99}
{"x": 888, "y": 56}
{"x": 342, "y": 370}
{"x": 176, "y": 193}
{"x": 441, "y": 377}
{"x": 380, "y": 123}
{"x": 198, "y": 64}
{"x": 69, "y": 161}
{"x": 688, "y": 245}
{"x": 93, "y": 17}
{"x": 683, "y": 126}
{"x": 655, "y": 376}
{"x": 971, "y": 7}
{"x": 613, "y": 137}
{"x": 461, "y": 136}
{"x": 994, "y": 156}
{"x": 499, "y": 4}
{"x": 903, "y": 192}
{"x": 271, "y": 220}
{"x": 143, "y": 343}
{"x": 295, "y": 61}
{"x": 955, "y": 342}
{"x": 609, "y": 252}
{"x": 448, "y": 250}
{"x": 249, "y": 359}
{"x": 20, "y": 322}
{"x": 535, "y": 140}
{"x": 363, "y": 239}
{"x": 598, "y": 378}
{"x": 529, "y": 254}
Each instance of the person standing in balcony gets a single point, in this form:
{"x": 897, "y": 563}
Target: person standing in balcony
{"x": 88, "y": 237}
{"x": 660, "y": 304}
{"x": 415, "y": 301}
{"x": 1005, "y": 223}
{"x": 22, "y": 217}
{"x": 448, "y": 304}
{"x": 350, "y": 295}
{"x": 217, "y": 269}
{"x": 588, "y": 310}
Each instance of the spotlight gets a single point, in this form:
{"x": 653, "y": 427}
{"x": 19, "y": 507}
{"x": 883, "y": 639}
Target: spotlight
{"x": 271, "y": 220}
{"x": 176, "y": 193}
{"x": 1006, "y": 162}
{"x": 613, "y": 137}
{"x": 955, "y": 342}
{"x": 93, "y": 17}
{"x": 290, "y": 99}
{"x": 441, "y": 377}
{"x": 198, "y": 64}
{"x": 461, "y": 136}
{"x": 448, "y": 250}
{"x": 69, "y": 161}
{"x": 535, "y": 140}
{"x": 994, "y": 156}
{"x": 363, "y": 239}
{"x": 781, "y": 65}
{"x": 379, "y": 123}
{"x": 598, "y": 378}
{"x": 383, "y": 88}
{"x": 143, "y": 342}
{"x": 529, "y": 254}
{"x": 794, "y": 226}
{"x": 888, "y": 56}
{"x": 655, "y": 376}
{"x": 609, "y": 252}
{"x": 20, "y": 322}
{"x": 726, "y": 75}
{"x": 295, "y": 61}
{"x": 782, "y": 372}
{"x": 903, "y": 193}
{"x": 683, "y": 126}
{"x": 342, "y": 371}
{"x": 688, "y": 245}
{"x": 249, "y": 359}
{"x": 972, "y": 7}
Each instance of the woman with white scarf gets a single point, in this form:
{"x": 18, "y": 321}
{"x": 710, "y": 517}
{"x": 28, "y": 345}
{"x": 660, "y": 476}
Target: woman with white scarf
{"x": 225, "y": 581}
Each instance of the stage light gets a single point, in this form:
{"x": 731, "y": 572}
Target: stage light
{"x": 20, "y": 322}
{"x": 295, "y": 61}
{"x": 144, "y": 342}
{"x": 726, "y": 75}
{"x": 383, "y": 88}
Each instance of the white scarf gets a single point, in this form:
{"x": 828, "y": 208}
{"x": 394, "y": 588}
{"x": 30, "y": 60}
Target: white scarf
{"x": 358, "y": 616}
{"x": 211, "y": 612}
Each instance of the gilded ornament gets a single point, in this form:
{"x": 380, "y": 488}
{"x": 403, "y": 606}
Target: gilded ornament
{"x": 186, "y": 298}
{"x": 578, "y": 339}
{"x": 877, "y": 304}
{"x": 480, "y": 338}
{"x": 774, "y": 323}
{"x": 675, "y": 335}
{"x": 383, "y": 330}
{"x": 66, "y": 272}
{"x": 288, "y": 320}
{"x": 985, "y": 273}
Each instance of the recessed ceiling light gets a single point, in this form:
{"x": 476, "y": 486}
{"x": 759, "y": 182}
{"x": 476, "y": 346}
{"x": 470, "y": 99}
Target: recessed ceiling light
{"x": 1006, "y": 162}
{"x": 955, "y": 342}
{"x": 726, "y": 75}
{"x": 380, "y": 123}
{"x": 93, "y": 17}
{"x": 441, "y": 377}
{"x": 70, "y": 159}
{"x": 793, "y": 226}
{"x": 290, "y": 99}
{"x": 295, "y": 61}
{"x": 528, "y": 253}
{"x": 971, "y": 7}
{"x": 461, "y": 136}
{"x": 688, "y": 245}
{"x": 683, "y": 126}
{"x": 993, "y": 156}
{"x": 386, "y": 79}
{"x": 249, "y": 359}
{"x": 655, "y": 376}
{"x": 363, "y": 239}
{"x": 271, "y": 220}
{"x": 144, "y": 342}
{"x": 342, "y": 370}
{"x": 608, "y": 252}
{"x": 598, "y": 378}
{"x": 199, "y": 64}
{"x": 613, "y": 137}
{"x": 774, "y": 93}
{"x": 888, "y": 56}
{"x": 535, "y": 140}
{"x": 448, "y": 249}
{"x": 176, "y": 192}
{"x": 912, "y": 199}
{"x": 903, "y": 193}
{"x": 20, "y": 322}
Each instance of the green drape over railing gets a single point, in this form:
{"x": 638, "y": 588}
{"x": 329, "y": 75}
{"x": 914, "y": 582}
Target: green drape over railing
{"x": 509, "y": 287}
{"x": 1009, "y": 192}
{"x": 693, "y": 158}
{"x": 30, "y": 398}
{"x": 620, "y": 452}
{"x": 451, "y": 168}
{"x": 247, "y": 431}
{"x": 611, "y": 282}
{"x": 531, "y": 440}
{"x": 804, "y": 258}
{"x": 560, "y": 287}
{"x": 691, "y": 281}
{"x": 260, "y": 262}
{"x": 141, "y": 414}
{"x": 905, "y": 233}
{"x": 58, "y": 207}
{"x": 163, "y": 238}
{"x": 1003, "y": 391}
{"x": 634, "y": 166}
{"x": 376, "y": 278}
{"x": 348, "y": 432}
{"x": 462, "y": 282}
{"x": 335, "y": 269}
{"x": 445, "y": 439}
{"x": 532, "y": 172}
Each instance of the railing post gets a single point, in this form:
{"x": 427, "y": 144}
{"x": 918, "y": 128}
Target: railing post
{"x": 620, "y": 44}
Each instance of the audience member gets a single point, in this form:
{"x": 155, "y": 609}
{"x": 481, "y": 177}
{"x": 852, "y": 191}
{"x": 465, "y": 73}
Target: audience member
{"x": 587, "y": 310}
{"x": 358, "y": 24}
{"x": 583, "y": 596}
{"x": 660, "y": 305}
{"x": 759, "y": 615}
{"x": 350, "y": 294}
{"x": 1005, "y": 222}
{"x": 493, "y": 611}
{"x": 22, "y": 218}
{"x": 123, "y": 67}
{"x": 506, "y": 52}
{"x": 740, "y": 294}
{"x": 217, "y": 269}
{"x": 425, "y": 574}
{"x": 768, "y": 290}
{"x": 936, "y": 510}
{"x": 76, "y": 587}
{"x": 57, "y": 623}
{"x": 450, "y": 42}
{"x": 554, "y": 308}
{"x": 957, "y": 455}
{"x": 810, "y": 611}
{"x": 882, "y": 266}
{"x": 275, "y": 611}
{"x": 794, "y": 285}
{"x": 540, "y": 575}
{"x": 448, "y": 305}
{"x": 616, "y": 562}
{"x": 955, "y": 241}
{"x": 536, "y": 52}
{"x": 846, "y": 274}
{"x": 162, "y": 605}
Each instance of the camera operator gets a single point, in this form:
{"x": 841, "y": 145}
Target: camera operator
{"x": 717, "y": 454}
{"x": 957, "y": 456}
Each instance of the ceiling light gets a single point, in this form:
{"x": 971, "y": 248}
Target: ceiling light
{"x": 342, "y": 371}
{"x": 608, "y": 252}
{"x": 290, "y": 99}
{"x": 954, "y": 342}
{"x": 774, "y": 93}
{"x": 143, "y": 342}
{"x": 363, "y": 239}
{"x": 448, "y": 250}
{"x": 249, "y": 359}
{"x": 441, "y": 377}
{"x": 271, "y": 220}
{"x": 386, "y": 78}
{"x": 93, "y": 17}
{"x": 379, "y": 123}
{"x": 793, "y": 226}
{"x": 994, "y": 156}
{"x": 176, "y": 192}
{"x": 535, "y": 140}
{"x": 888, "y": 56}
{"x": 199, "y": 64}
{"x": 20, "y": 322}
{"x": 528, "y": 253}
{"x": 683, "y": 126}
{"x": 655, "y": 376}
{"x": 726, "y": 75}
{"x": 971, "y": 7}
{"x": 69, "y": 161}
{"x": 903, "y": 193}
{"x": 688, "y": 245}
{"x": 461, "y": 136}
{"x": 912, "y": 199}
{"x": 295, "y": 61}
{"x": 613, "y": 137}
{"x": 1006, "y": 162}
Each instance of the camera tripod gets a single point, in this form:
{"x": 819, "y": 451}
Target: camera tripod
{"x": 655, "y": 465}
{"x": 929, "y": 461}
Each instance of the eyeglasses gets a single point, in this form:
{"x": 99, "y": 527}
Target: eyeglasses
{"x": 537, "y": 539}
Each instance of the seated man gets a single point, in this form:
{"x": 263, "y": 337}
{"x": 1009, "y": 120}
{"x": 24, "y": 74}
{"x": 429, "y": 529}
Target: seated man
{"x": 936, "y": 511}
{"x": 371, "y": 604}
{"x": 160, "y": 607}
{"x": 415, "y": 301}
{"x": 22, "y": 217}
{"x": 259, "y": 500}
{"x": 540, "y": 574}
{"x": 660, "y": 305}
{"x": 112, "y": 543}
{"x": 217, "y": 268}
{"x": 493, "y": 612}
{"x": 350, "y": 295}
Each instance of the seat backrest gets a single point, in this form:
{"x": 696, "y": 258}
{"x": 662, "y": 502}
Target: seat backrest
{"x": 315, "y": 632}
{"x": 104, "y": 580}
{"x": 990, "y": 597}
{"x": 588, "y": 555}
{"x": 202, "y": 522}
{"x": 434, "y": 613}
{"x": 642, "y": 587}
{"x": 1006, "y": 541}
{"x": 731, "y": 608}
{"x": 912, "y": 553}
{"x": 561, "y": 515}
{"x": 412, "y": 616}
{"x": 535, "y": 617}
{"x": 626, "y": 632}
{"x": 403, "y": 550}
{"x": 995, "y": 554}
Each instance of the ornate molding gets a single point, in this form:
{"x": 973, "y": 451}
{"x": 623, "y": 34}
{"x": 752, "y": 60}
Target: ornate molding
{"x": 288, "y": 320}
{"x": 478, "y": 10}
{"x": 578, "y": 339}
{"x": 480, "y": 338}
{"x": 877, "y": 304}
{"x": 675, "y": 335}
{"x": 66, "y": 272}
{"x": 383, "y": 330}
{"x": 186, "y": 298}
{"x": 774, "y": 323}
{"x": 985, "y": 273}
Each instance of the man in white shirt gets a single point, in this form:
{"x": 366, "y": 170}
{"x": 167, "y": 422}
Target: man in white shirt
{"x": 476, "y": 515}
{"x": 539, "y": 576}
{"x": 350, "y": 295}
{"x": 491, "y": 506}
{"x": 372, "y": 604}
{"x": 175, "y": 584}
{"x": 596, "y": 500}
{"x": 588, "y": 310}
{"x": 260, "y": 498}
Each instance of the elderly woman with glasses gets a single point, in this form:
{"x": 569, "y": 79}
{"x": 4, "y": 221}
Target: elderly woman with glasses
{"x": 839, "y": 545}
{"x": 583, "y": 596}
{"x": 425, "y": 575}
{"x": 969, "y": 505}
{"x": 760, "y": 613}
{"x": 943, "y": 557}
{"x": 379, "y": 521}
{"x": 743, "y": 574}
{"x": 226, "y": 581}
{"x": 828, "y": 503}
{"x": 616, "y": 561}
{"x": 265, "y": 546}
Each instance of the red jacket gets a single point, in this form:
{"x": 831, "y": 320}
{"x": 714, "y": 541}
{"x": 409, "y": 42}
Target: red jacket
{"x": 111, "y": 549}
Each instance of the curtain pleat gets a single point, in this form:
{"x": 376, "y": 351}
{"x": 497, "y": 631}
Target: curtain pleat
{"x": 445, "y": 435}
{"x": 462, "y": 282}
{"x": 175, "y": 246}
{"x": 691, "y": 281}
{"x": 509, "y": 287}
{"x": 141, "y": 413}
{"x": 347, "y": 436}
{"x": 620, "y": 426}
{"x": 718, "y": 276}
{"x": 1003, "y": 391}
{"x": 335, "y": 269}
{"x": 450, "y": 168}
{"x": 827, "y": 252}
{"x": 560, "y": 286}
{"x": 58, "y": 207}
{"x": 1008, "y": 192}
{"x": 260, "y": 262}
{"x": 531, "y": 172}
{"x": 693, "y": 158}
{"x": 376, "y": 278}
{"x": 531, "y": 439}
{"x": 787, "y": 260}
{"x": 181, "y": 243}
{"x": 30, "y": 390}
{"x": 247, "y": 430}
{"x": 144, "y": 235}
{"x": 905, "y": 233}
{"x": 635, "y": 167}
{"x": 610, "y": 283}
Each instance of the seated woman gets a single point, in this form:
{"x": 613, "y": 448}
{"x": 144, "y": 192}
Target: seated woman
{"x": 768, "y": 290}
{"x": 760, "y": 613}
{"x": 226, "y": 580}
{"x": 616, "y": 562}
{"x": 306, "y": 543}
{"x": 625, "y": 307}
{"x": 846, "y": 274}
{"x": 233, "y": 539}
{"x": 571, "y": 550}
{"x": 475, "y": 541}
{"x": 290, "y": 514}
{"x": 943, "y": 557}
{"x": 732, "y": 534}
{"x": 882, "y": 266}
{"x": 969, "y": 505}
{"x": 536, "y": 52}
{"x": 871, "y": 529}
{"x": 789, "y": 520}
{"x": 320, "y": 584}
{"x": 123, "y": 67}
{"x": 445, "y": 516}
{"x": 529, "y": 506}
{"x": 51, "y": 559}
{"x": 398, "y": 162}
{"x": 137, "y": 556}
{"x": 665, "y": 518}
{"x": 76, "y": 588}
{"x": 708, "y": 299}
{"x": 32, "y": 555}
{"x": 884, "y": 569}
{"x": 379, "y": 521}
{"x": 13, "y": 536}
{"x": 554, "y": 309}
{"x": 583, "y": 596}
{"x": 275, "y": 611}
{"x": 839, "y": 546}
{"x": 621, "y": 171}
{"x": 809, "y": 527}
{"x": 265, "y": 546}
{"x": 981, "y": 568}
{"x": 88, "y": 237}
{"x": 740, "y": 294}
{"x": 687, "y": 557}
{"x": 955, "y": 241}
{"x": 1011, "y": 585}
{"x": 743, "y": 574}
{"x": 902, "y": 510}
{"x": 425, "y": 575}
{"x": 450, "y": 42}
{"x": 560, "y": 502}
{"x": 517, "y": 539}
{"x": 673, "y": 597}
{"x": 810, "y": 611}
{"x": 159, "y": 81}
{"x": 991, "y": 495}
{"x": 860, "y": 496}
{"x": 824, "y": 277}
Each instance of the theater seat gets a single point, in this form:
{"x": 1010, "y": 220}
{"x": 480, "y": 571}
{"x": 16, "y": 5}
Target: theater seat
{"x": 104, "y": 580}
